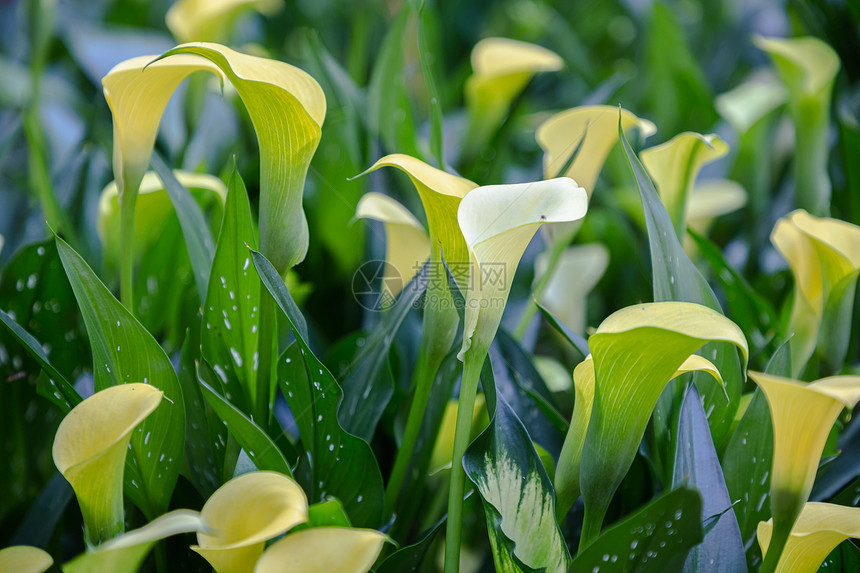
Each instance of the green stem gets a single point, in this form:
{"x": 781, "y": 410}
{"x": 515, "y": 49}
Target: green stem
{"x": 774, "y": 549}
{"x": 473, "y": 362}
{"x": 161, "y": 557}
{"x": 811, "y": 184}
{"x": 266, "y": 343}
{"x": 126, "y": 246}
{"x": 558, "y": 248}
{"x": 591, "y": 524}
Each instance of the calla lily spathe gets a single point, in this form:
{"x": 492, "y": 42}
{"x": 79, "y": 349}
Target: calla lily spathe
{"x": 90, "y": 449}
{"x": 636, "y": 351}
{"x": 498, "y": 222}
{"x": 285, "y": 104}
{"x": 243, "y": 514}
{"x": 824, "y": 256}
{"x": 802, "y": 415}
{"x": 819, "y": 528}
{"x": 567, "y": 473}
{"x": 407, "y": 246}
{"x": 125, "y": 554}
{"x": 211, "y": 20}
{"x": 323, "y": 550}
{"x": 25, "y": 559}
{"x": 674, "y": 165}
{"x": 501, "y": 69}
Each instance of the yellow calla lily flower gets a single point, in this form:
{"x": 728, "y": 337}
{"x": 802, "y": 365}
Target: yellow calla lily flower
{"x": 406, "y": 244}
{"x": 153, "y": 208}
{"x": 501, "y": 69}
{"x": 125, "y": 554}
{"x": 578, "y": 270}
{"x": 747, "y": 103}
{"x": 636, "y": 351}
{"x": 323, "y": 550}
{"x": 211, "y": 20}
{"x": 285, "y": 104}
{"x": 802, "y": 416}
{"x": 567, "y": 473}
{"x": 90, "y": 448}
{"x": 25, "y": 559}
{"x": 243, "y": 514}
{"x": 674, "y": 166}
{"x": 498, "y": 222}
{"x": 819, "y": 528}
{"x": 711, "y": 199}
{"x": 824, "y": 256}
{"x": 807, "y": 67}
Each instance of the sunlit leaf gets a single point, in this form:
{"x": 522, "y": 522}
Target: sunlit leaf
{"x": 286, "y": 106}
{"x": 498, "y": 222}
{"x": 807, "y": 67}
{"x": 501, "y": 69}
{"x": 406, "y": 242}
{"x": 125, "y": 554}
{"x": 90, "y": 448}
{"x": 824, "y": 256}
{"x": 578, "y": 271}
{"x": 819, "y": 528}
{"x": 25, "y": 559}
{"x": 211, "y": 21}
{"x": 674, "y": 166}
{"x": 323, "y": 550}
{"x": 243, "y": 514}
{"x": 802, "y": 416}
{"x": 636, "y": 352}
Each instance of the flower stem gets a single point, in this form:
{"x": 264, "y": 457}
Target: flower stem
{"x": 531, "y": 308}
{"x": 774, "y": 548}
{"x": 472, "y": 364}
{"x": 591, "y": 524}
{"x": 126, "y": 245}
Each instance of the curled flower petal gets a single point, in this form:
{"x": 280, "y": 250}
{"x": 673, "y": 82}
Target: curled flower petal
{"x": 323, "y": 550}
{"x": 25, "y": 559}
{"x": 211, "y": 20}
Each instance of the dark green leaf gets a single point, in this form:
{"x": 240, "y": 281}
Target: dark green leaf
{"x": 410, "y": 558}
{"x": 574, "y": 339}
{"x": 655, "y": 539}
{"x": 697, "y": 466}
{"x": 124, "y": 352}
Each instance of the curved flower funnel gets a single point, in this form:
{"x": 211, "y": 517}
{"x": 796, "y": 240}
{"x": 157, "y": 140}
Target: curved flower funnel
{"x": 90, "y": 448}
{"x": 674, "y": 166}
{"x": 747, "y": 103}
{"x": 498, "y": 222}
{"x": 636, "y": 351}
{"x": 567, "y": 473}
{"x": 212, "y": 20}
{"x": 25, "y": 559}
{"x": 808, "y": 68}
{"x": 578, "y": 271}
{"x": 285, "y": 104}
{"x": 323, "y": 550}
{"x": 153, "y": 209}
{"x": 585, "y": 134}
{"x": 802, "y": 416}
{"x": 501, "y": 69}
{"x": 819, "y": 528}
{"x": 406, "y": 244}
{"x": 243, "y": 514}
{"x": 440, "y": 194}
{"x": 824, "y": 256}
{"x": 125, "y": 554}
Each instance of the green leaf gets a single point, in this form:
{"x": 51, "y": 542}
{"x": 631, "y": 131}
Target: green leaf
{"x": 676, "y": 278}
{"x": 697, "y": 466}
{"x": 575, "y": 340}
{"x": 260, "y": 448}
{"x": 328, "y": 513}
{"x": 517, "y": 494}
{"x": 368, "y": 387}
{"x": 229, "y": 336}
{"x": 123, "y": 352}
{"x": 655, "y": 539}
{"x": 341, "y": 464}
{"x": 198, "y": 237}
{"x": 410, "y": 558}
